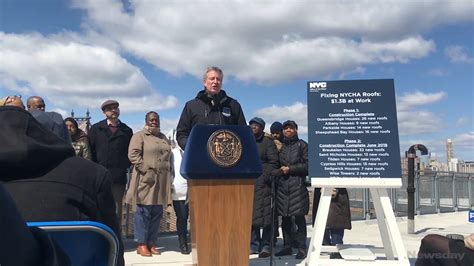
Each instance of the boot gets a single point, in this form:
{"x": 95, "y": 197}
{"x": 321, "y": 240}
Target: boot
{"x": 143, "y": 250}
{"x": 183, "y": 244}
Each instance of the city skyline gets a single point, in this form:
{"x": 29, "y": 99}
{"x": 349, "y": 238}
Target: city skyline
{"x": 150, "y": 55}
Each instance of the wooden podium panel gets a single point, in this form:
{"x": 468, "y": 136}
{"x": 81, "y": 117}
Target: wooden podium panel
{"x": 221, "y": 218}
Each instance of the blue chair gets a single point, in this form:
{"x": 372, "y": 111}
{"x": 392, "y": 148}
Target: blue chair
{"x": 87, "y": 243}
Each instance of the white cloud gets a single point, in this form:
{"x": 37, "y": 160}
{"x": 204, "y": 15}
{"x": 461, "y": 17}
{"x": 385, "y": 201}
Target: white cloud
{"x": 270, "y": 41}
{"x": 465, "y": 141}
{"x": 416, "y": 99}
{"x": 297, "y": 112}
{"x": 414, "y": 127}
{"x": 71, "y": 73}
{"x": 438, "y": 72}
{"x": 357, "y": 70}
{"x": 62, "y": 112}
{"x": 411, "y": 120}
{"x": 457, "y": 54}
{"x": 434, "y": 146}
{"x": 168, "y": 125}
{"x": 463, "y": 146}
{"x": 463, "y": 121}
{"x": 419, "y": 122}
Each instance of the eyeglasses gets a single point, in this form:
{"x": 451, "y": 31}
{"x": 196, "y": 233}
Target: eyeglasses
{"x": 11, "y": 98}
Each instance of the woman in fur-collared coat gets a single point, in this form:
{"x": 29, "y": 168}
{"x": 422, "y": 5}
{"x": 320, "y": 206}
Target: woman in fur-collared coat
{"x": 150, "y": 185}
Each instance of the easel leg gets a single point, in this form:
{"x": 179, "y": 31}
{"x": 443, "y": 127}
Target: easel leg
{"x": 314, "y": 250}
{"x": 382, "y": 221}
{"x": 392, "y": 226}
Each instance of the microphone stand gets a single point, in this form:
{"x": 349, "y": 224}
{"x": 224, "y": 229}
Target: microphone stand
{"x": 272, "y": 226}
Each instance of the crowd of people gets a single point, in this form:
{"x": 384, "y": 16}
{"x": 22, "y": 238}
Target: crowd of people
{"x": 53, "y": 170}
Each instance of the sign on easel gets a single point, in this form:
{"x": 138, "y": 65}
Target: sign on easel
{"x": 353, "y": 143}
{"x": 353, "y": 133}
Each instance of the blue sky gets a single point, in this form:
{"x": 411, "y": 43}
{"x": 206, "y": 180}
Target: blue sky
{"x": 150, "y": 55}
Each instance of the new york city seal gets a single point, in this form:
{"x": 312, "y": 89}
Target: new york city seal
{"x": 224, "y": 148}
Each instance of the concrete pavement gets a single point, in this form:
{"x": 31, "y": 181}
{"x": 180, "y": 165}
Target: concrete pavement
{"x": 363, "y": 232}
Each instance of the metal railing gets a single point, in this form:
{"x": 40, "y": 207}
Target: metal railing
{"x": 436, "y": 192}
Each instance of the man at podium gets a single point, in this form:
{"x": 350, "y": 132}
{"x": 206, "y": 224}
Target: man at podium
{"x": 211, "y": 106}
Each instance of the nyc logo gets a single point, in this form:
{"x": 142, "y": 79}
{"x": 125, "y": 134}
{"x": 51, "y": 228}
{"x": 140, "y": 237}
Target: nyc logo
{"x": 315, "y": 86}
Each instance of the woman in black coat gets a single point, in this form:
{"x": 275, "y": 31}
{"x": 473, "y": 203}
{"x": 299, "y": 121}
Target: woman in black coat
{"x": 292, "y": 198}
{"x": 262, "y": 209}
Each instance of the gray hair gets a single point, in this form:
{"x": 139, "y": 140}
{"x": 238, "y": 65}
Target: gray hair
{"x": 213, "y": 68}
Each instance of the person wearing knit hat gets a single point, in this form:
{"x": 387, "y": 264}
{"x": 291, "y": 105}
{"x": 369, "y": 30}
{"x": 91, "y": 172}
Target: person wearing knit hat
{"x": 259, "y": 121}
{"x": 292, "y": 200}
{"x": 276, "y": 131}
{"x": 262, "y": 219}
{"x": 79, "y": 139}
{"x": 290, "y": 123}
{"x": 276, "y": 127}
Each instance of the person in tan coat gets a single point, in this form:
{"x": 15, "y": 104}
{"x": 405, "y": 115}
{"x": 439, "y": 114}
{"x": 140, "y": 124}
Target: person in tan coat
{"x": 150, "y": 185}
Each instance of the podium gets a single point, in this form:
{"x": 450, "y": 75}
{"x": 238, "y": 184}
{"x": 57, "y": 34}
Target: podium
{"x": 221, "y": 163}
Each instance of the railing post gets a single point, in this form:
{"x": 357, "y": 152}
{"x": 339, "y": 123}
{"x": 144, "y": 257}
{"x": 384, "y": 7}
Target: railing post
{"x": 433, "y": 190}
{"x": 455, "y": 194}
{"x": 417, "y": 193}
{"x": 438, "y": 207}
{"x": 469, "y": 187}
{"x": 411, "y": 194}
{"x": 411, "y": 155}
{"x": 394, "y": 203}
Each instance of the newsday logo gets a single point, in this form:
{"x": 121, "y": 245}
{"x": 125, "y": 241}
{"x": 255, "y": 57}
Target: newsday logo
{"x": 315, "y": 86}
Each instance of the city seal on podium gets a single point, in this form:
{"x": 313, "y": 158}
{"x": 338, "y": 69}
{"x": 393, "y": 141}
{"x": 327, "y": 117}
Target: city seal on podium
{"x": 224, "y": 148}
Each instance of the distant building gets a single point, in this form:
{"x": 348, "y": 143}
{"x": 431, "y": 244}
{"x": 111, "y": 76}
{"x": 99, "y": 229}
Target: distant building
{"x": 453, "y": 165}
{"x": 404, "y": 165}
{"x": 466, "y": 167}
{"x": 435, "y": 165}
{"x": 449, "y": 150}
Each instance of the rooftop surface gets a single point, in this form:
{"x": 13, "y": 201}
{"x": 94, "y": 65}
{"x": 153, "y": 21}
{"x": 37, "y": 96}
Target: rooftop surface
{"x": 363, "y": 232}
